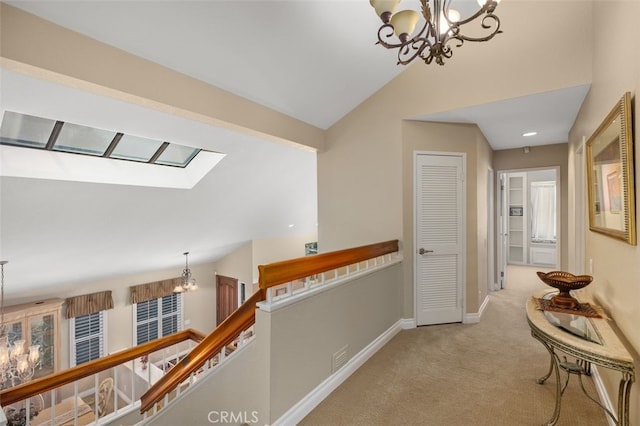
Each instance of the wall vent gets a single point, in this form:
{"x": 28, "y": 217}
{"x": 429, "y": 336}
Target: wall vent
{"x": 339, "y": 359}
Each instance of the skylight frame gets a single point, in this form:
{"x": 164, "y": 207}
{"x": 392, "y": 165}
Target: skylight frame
{"x": 13, "y": 139}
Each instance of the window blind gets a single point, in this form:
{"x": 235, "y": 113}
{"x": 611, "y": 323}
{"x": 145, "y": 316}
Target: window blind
{"x": 158, "y": 318}
{"x": 87, "y": 337}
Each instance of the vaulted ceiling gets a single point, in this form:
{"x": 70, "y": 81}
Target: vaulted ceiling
{"x": 312, "y": 60}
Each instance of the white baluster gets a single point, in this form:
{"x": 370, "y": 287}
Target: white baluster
{"x": 115, "y": 386}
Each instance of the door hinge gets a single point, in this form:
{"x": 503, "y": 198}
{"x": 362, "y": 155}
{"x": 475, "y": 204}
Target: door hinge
{"x": 501, "y": 274}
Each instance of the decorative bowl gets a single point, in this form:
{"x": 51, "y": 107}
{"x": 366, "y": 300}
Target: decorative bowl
{"x": 565, "y": 282}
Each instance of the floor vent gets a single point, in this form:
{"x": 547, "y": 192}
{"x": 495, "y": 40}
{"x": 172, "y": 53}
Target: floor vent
{"x": 339, "y": 359}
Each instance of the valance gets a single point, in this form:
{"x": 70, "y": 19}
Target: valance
{"x": 89, "y": 303}
{"x": 153, "y": 290}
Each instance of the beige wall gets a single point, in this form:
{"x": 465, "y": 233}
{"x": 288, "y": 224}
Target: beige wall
{"x": 292, "y": 352}
{"x": 305, "y": 335}
{"x": 243, "y": 262}
{"x": 459, "y": 138}
{"x": 616, "y": 265}
{"x": 362, "y": 174}
{"x": 542, "y": 156}
{"x": 197, "y": 306}
{"x": 238, "y": 264}
{"x": 269, "y": 250}
{"x": 245, "y": 396}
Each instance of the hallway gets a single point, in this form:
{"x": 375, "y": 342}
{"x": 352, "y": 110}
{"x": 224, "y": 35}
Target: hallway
{"x": 461, "y": 374}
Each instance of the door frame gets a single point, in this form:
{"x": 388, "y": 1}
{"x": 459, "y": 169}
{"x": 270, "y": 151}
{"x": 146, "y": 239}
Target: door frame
{"x": 580, "y": 202}
{"x": 500, "y": 230}
{"x": 463, "y": 261}
{"x": 491, "y": 220}
{"x": 502, "y": 260}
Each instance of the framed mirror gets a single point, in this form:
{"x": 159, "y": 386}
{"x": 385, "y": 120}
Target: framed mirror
{"x": 610, "y": 175}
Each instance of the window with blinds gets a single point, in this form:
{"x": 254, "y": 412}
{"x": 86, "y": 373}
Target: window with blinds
{"x": 158, "y": 318}
{"x": 87, "y": 337}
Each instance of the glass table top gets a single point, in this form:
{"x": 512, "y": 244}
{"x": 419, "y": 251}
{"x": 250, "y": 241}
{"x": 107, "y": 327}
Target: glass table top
{"x": 577, "y": 325}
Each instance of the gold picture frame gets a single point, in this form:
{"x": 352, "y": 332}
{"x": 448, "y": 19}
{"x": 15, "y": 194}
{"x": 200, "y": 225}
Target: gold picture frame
{"x": 610, "y": 175}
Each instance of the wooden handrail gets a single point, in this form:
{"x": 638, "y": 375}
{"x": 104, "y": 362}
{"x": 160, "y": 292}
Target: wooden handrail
{"x": 53, "y": 381}
{"x": 241, "y": 319}
{"x": 289, "y": 270}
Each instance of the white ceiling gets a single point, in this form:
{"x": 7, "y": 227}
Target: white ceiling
{"x": 313, "y": 60}
{"x": 550, "y": 114}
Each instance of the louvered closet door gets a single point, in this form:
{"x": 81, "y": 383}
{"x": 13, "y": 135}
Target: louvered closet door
{"x": 439, "y": 233}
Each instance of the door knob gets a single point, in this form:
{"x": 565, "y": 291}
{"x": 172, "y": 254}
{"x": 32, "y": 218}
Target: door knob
{"x": 423, "y": 251}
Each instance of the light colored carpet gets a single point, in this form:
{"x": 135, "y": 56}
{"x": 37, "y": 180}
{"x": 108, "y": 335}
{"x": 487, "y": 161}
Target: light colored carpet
{"x": 456, "y": 374}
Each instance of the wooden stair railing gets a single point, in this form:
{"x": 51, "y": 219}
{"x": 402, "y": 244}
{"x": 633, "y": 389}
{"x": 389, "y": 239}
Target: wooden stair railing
{"x": 270, "y": 275}
{"x": 241, "y": 319}
{"x": 53, "y": 381}
{"x": 289, "y": 270}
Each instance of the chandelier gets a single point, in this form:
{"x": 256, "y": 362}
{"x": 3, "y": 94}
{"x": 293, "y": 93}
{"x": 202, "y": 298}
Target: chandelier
{"x": 187, "y": 283}
{"x": 442, "y": 25}
{"x": 16, "y": 365}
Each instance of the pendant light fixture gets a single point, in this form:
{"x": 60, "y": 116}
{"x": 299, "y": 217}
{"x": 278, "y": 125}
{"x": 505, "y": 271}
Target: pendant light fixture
{"x": 188, "y": 283}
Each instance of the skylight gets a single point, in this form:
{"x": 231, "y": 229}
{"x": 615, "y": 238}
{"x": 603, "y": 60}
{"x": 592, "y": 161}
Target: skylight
{"x": 22, "y": 130}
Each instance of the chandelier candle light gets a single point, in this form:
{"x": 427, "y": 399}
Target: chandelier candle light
{"x": 16, "y": 365}
{"x": 442, "y": 24}
{"x": 188, "y": 283}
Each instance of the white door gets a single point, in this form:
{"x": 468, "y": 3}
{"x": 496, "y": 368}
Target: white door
{"x": 439, "y": 240}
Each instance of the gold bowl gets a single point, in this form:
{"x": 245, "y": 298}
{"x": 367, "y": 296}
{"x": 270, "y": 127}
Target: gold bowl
{"x": 565, "y": 282}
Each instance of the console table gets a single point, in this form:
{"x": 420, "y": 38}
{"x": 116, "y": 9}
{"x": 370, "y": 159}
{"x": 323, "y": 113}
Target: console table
{"x": 610, "y": 352}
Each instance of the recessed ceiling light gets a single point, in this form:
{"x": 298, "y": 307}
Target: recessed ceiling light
{"x": 527, "y": 134}
{"x": 291, "y": 225}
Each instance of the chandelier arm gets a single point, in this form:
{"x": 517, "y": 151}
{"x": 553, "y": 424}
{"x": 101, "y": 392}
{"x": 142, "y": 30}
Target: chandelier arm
{"x": 391, "y": 33}
{"x": 381, "y": 41}
{"x": 483, "y": 24}
{"x": 417, "y": 45}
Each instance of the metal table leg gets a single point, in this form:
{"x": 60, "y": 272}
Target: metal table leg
{"x": 553, "y": 366}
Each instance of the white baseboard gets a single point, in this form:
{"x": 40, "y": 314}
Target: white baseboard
{"x": 408, "y": 323}
{"x": 603, "y": 394}
{"x": 473, "y": 318}
{"x": 296, "y": 413}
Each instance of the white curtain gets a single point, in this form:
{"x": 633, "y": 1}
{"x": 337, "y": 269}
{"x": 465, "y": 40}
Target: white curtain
{"x": 543, "y": 211}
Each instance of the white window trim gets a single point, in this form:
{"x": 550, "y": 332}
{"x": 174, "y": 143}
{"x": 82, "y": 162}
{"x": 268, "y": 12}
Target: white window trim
{"x": 73, "y": 340}
{"x": 161, "y": 315}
